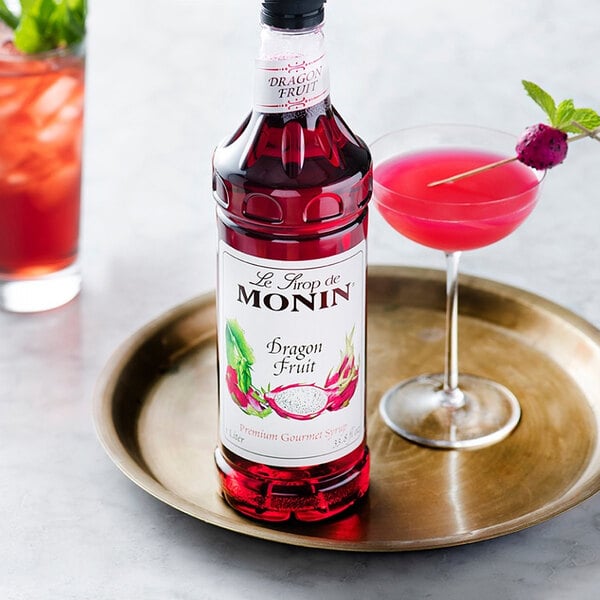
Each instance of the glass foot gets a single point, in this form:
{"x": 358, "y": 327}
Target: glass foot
{"x": 40, "y": 293}
{"x": 418, "y": 409}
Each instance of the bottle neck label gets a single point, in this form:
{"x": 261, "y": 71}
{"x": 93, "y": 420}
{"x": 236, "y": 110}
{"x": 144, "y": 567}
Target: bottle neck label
{"x": 290, "y": 83}
{"x": 291, "y": 356}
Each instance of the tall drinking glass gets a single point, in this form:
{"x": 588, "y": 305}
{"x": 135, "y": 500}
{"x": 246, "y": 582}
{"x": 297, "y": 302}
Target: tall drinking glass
{"x": 448, "y": 410}
{"x": 41, "y": 121}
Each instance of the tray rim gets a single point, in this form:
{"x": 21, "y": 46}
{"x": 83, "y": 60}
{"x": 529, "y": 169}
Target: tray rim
{"x": 109, "y": 439}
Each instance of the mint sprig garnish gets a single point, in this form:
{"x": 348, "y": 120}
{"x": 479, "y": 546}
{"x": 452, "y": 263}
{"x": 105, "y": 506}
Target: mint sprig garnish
{"x": 564, "y": 115}
{"x": 542, "y": 146}
{"x": 46, "y": 24}
{"x": 7, "y": 16}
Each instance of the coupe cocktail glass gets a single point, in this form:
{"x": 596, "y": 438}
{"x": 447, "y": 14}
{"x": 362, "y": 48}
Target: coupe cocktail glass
{"x": 445, "y": 410}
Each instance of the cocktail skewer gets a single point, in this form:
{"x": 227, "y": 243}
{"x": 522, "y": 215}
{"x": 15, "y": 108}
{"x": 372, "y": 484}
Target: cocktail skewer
{"x": 592, "y": 133}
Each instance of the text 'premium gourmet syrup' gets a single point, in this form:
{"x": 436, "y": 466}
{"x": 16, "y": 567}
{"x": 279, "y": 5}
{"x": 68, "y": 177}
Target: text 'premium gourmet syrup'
{"x": 292, "y": 187}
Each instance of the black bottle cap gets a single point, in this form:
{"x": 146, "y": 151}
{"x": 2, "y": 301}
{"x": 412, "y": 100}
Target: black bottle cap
{"x": 292, "y": 14}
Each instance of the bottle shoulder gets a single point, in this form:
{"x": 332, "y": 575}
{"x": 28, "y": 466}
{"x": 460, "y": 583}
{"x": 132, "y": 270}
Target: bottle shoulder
{"x": 294, "y": 174}
{"x": 307, "y": 148}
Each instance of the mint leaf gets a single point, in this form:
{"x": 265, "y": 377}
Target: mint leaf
{"x": 7, "y": 16}
{"x": 584, "y": 116}
{"x": 541, "y": 98}
{"x": 69, "y": 18}
{"x": 47, "y": 24}
{"x": 29, "y": 36}
{"x": 564, "y": 114}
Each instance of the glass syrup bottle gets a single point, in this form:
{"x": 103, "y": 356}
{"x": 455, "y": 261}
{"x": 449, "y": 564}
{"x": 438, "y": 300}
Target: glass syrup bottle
{"x": 292, "y": 187}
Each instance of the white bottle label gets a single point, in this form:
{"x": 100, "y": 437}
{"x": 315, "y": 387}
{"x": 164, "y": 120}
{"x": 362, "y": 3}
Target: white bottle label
{"x": 291, "y": 356}
{"x": 290, "y": 83}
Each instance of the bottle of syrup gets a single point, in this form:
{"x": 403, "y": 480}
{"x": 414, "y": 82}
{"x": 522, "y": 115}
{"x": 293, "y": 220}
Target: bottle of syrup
{"x": 292, "y": 186}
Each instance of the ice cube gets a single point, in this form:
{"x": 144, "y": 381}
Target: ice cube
{"x": 9, "y": 107}
{"x": 17, "y": 178}
{"x": 54, "y": 132}
{"x": 54, "y": 97}
{"x": 71, "y": 112}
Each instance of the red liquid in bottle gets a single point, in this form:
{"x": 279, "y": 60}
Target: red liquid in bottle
{"x": 293, "y": 187}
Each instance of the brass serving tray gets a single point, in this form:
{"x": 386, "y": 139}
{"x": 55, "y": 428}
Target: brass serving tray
{"x": 156, "y": 415}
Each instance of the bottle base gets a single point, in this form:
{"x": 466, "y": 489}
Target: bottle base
{"x": 307, "y": 497}
{"x": 35, "y": 294}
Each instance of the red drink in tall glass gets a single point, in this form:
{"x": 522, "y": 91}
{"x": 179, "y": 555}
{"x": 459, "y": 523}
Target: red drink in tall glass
{"x": 41, "y": 120}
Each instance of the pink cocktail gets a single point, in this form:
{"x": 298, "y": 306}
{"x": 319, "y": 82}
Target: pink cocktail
{"x": 442, "y": 409}
{"x": 467, "y": 214}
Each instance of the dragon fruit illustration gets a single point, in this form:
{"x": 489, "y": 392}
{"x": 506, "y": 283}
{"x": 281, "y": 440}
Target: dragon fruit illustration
{"x": 341, "y": 384}
{"x": 301, "y": 401}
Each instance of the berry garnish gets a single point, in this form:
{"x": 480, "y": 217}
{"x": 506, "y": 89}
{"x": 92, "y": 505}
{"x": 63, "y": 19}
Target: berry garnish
{"x": 544, "y": 146}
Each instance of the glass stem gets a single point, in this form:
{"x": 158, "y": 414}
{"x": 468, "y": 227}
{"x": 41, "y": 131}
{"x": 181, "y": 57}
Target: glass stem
{"x": 453, "y": 397}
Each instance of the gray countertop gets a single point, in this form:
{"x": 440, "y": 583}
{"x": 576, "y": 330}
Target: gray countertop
{"x": 165, "y": 83}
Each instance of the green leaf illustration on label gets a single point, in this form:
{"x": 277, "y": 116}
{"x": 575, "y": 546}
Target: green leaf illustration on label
{"x": 238, "y": 376}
